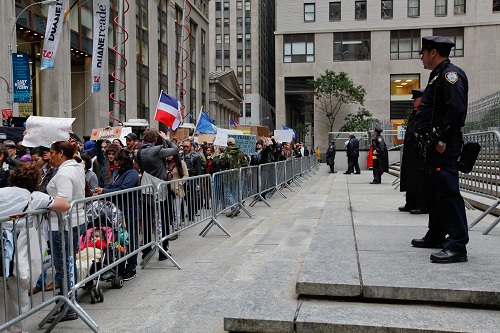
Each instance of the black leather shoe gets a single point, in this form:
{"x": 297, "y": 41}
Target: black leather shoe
{"x": 448, "y": 257}
{"x": 374, "y": 182}
{"x": 404, "y": 209}
{"x": 422, "y": 242}
{"x": 347, "y": 173}
{"x": 418, "y": 211}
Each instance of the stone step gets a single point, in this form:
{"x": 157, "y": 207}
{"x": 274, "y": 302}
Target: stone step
{"x": 315, "y": 316}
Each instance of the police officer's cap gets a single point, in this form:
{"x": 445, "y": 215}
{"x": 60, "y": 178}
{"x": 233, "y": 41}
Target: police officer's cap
{"x": 416, "y": 93}
{"x": 442, "y": 44}
{"x": 378, "y": 129}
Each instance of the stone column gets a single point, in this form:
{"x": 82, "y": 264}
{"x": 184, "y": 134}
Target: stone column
{"x": 7, "y": 17}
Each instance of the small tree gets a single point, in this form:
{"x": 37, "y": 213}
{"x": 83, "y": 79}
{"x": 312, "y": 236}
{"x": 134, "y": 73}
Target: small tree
{"x": 359, "y": 122}
{"x": 303, "y": 128}
{"x": 332, "y": 91}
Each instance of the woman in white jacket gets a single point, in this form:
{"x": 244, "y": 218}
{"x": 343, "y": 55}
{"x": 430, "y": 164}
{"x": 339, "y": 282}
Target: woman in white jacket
{"x": 69, "y": 184}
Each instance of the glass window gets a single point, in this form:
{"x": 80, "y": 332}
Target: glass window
{"x": 309, "y": 12}
{"x": 454, "y": 34}
{"x": 218, "y": 54}
{"x": 239, "y": 5}
{"x": 247, "y": 38}
{"x": 360, "y": 10}
{"x": 239, "y": 21}
{"x": 218, "y": 22}
{"x": 218, "y": 39}
{"x": 441, "y": 7}
{"x": 459, "y": 7}
{"x": 226, "y": 5}
{"x": 496, "y": 5}
{"x": 413, "y": 8}
{"x": 351, "y": 46}
{"x": 226, "y": 54}
{"x": 248, "y": 108}
{"x": 217, "y": 6}
{"x": 401, "y": 86}
{"x": 298, "y": 48}
{"x": 248, "y": 22}
{"x": 334, "y": 11}
{"x": 247, "y": 5}
{"x": 226, "y": 39}
{"x": 405, "y": 44}
{"x": 386, "y": 6}
{"x": 218, "y": 68}
{"x": 226, "y": 23}
{"x": 239, "y": 54}
{"x": 239, "y": 38}
{"x": 248, "y": 71}
{"x": 239, "y": 71}
{"x": 248, "y": 53}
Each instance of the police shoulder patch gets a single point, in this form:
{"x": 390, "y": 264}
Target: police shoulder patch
{"x": 379, "y": 139}
{"x": 451, "y": 77}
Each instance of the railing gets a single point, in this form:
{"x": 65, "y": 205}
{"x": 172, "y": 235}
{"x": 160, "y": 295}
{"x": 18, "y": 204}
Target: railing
{"x": 484, "y": 179}
{"x": 106, "y": 233}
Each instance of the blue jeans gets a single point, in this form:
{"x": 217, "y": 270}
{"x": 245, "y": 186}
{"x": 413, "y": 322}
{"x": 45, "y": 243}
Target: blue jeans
{"x": 57, "y": 254}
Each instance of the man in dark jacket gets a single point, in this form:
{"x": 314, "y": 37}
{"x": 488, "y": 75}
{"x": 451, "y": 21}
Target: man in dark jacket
{"x": 330, "y": 156}
{"x": 412, "y": 164}
{"x": 194, "y": 165}
{"x": 232, "y": 158}
{"x": 352, "y": 151}
{"x": 380, "y": 156}
{"x": 151, "y": 159}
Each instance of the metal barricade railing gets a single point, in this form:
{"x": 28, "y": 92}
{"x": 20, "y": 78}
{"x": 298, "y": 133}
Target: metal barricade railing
{"x": 280, "y": 177}
{"x": 28, "y": 240}
{"x": 267, "y": 183}
{"x": 484, "y": 179}
{"x": 290, "y": 177}
{"x": 249, "y": 180}
{"x": 297, "y": 169}
{"x": 304, "y": 168}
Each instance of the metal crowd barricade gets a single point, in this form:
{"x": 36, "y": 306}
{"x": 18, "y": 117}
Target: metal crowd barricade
{"x": 227, "y": 192}
{"x": 281, "y": 180}
{"x": 290, "y": 177}
{"x": 304, "y": 170}
{"x": 484, "y": 180}
{"x": 24, "y": 235}
{"x": 297, "y": 170}
{"x": 249, "y": 180}
{"x": 267, "y": 183}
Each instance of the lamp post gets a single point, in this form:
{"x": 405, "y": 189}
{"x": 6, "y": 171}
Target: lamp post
{"x": 10, "y": 89}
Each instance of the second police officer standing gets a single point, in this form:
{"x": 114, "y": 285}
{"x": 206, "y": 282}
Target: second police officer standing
{"x": 439, "y": 119}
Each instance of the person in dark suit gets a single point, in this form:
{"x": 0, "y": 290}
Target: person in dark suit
{"x": 352, "y": 152}
{"x": 380, "y": 156}
{"x": 412, "y": 164}
{"x": 439, "y": 119}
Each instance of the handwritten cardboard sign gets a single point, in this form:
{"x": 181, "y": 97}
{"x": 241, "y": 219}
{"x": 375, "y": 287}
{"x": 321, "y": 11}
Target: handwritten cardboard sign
{"x": 222, "y": 135}
{"x": 106, "y": 133}
{"x": 246, "y": 143}
{"x": 43, "y": 131}
{"x": 284, "y": 135}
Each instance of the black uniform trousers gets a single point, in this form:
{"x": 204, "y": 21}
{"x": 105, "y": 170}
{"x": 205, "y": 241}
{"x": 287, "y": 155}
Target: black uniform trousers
{"x": 352, "y": 164}
{"x": 443, "y": 199}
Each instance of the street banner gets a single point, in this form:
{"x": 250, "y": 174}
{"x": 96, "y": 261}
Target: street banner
{"x": 284, "y": 135}
{"x": 21, "y": 77}
{"x": 245, "y": 142}
{"x": 109, "y": 133}
{"x": 53, "y": 32}
{"x": 100, "y": 42}
{"x": 43, "y": 131}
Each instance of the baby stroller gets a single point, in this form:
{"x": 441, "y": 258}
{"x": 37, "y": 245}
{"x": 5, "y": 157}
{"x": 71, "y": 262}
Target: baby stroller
{"x": 104, "y": 218}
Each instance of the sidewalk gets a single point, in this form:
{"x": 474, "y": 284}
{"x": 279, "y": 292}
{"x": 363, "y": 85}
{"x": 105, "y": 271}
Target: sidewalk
{"x": 335, "y": 236}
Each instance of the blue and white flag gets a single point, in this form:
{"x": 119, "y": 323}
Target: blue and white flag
{"x": 205, "y": 124}
{"x": 283, "y": 127}
{"x": 100, "y": 42}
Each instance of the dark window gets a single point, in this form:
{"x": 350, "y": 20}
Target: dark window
{"x": 405, "y": 44}
{"x": 360, "y": 10}
{"x": 239, "y": 21}
{"x": 248, "y": 110}
{"x": 459, "y": 7}
{"x": 309, "y": 12}
{"x": 226, "y": 5}
{"x": 386, "y": 7}
{"x": 217, "y": 6}
{"x": 334, "y": 11}
{"x": 454, "y": 34}
{"x": 401, "y": 87}
{"x": 496, "y": 5}
{"x": 298, "y": 48}
{"x": 226, "y": 54}
{"x": 413, "y": 8}
{"x": 351, "y": 46}
{"x": 239, "y": 54}
{"x": 440, "y": 8}
{"x": 218, "y": 54}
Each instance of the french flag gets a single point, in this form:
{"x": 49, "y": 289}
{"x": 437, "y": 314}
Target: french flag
{"x": 168, "y": 111}
{"x": 233, "y": 122}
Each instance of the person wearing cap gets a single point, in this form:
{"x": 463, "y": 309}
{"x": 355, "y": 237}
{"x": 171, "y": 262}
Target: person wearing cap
{"x": 380, "y": 156}
{"x": 412, "y": 164}
{"x": 439, "y": 119}
{"x": 131, "y": 140}
{"x": 352, "y": 152}
{"x": 11, "y": 148}
{"x": 330, "y": 156}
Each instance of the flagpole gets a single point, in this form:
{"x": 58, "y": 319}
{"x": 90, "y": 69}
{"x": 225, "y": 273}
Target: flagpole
{"x": 198, "y": 120}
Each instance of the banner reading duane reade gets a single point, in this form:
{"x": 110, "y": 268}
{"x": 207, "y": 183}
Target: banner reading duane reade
{"x": 53, "y": 33}
{"x": 100, "y": 43}
{"x": 21, "y": 76}
{"x": 245, "y": 142}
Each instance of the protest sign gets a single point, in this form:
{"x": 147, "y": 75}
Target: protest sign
{"x": 246, "y": 143}
{"x": 109, "y": 133}
{"x": 209, "y": 138}
{"x": 284, "y": 135}
{"x": 222, "y": 135}
{"x": 42, "y": 131}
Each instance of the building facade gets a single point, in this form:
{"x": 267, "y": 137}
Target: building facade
{"x": 377, "y": 43}
{"x": 155, "y": 31}
{"x": 241, "y": 39}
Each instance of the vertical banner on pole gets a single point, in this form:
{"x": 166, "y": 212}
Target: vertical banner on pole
{"x": 55, "y": 20}
{"x": 21, "y": 77}
{"x": 100, "y": 42}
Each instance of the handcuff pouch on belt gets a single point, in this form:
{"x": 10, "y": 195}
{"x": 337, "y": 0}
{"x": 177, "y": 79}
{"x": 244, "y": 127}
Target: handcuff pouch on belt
{"x": 427, "y": 136}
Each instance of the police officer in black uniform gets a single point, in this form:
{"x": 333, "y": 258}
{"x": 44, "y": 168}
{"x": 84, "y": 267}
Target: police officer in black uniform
{"x": 412, "y": 164}
{"x": 439, "y": 119}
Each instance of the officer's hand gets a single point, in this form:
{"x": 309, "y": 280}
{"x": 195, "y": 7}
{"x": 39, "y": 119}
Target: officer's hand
{"x": 439, "y": 148}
